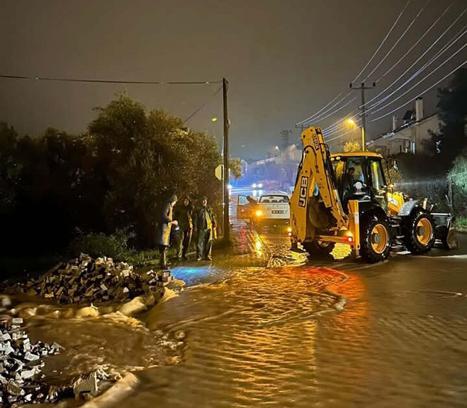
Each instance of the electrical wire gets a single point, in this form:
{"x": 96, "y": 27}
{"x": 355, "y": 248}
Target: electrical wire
{"x": 107, "y": 81}
{"x": 421, "y": 69}
{"x": 338, "y": 109}
{"x": 322, "y": 111}
{"x": 202, "y": 106}
{"x": 318, "y": 112}
{"x": 320, "y": 116}
{"x": 412, "y": 65}
{"x": 338, "y": 130}
{"x": 339, "y": 136}
{"x": 419, "y": 82}
{"x": 339, "y": 122}
{"x": 426, "y": 32}
{"x": 398, "y": 41}
{"x": 422, "y": 93}
{"x": 383, "y": 41}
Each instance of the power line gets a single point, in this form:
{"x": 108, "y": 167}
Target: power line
{"x": 398, "y": 40}
{"x": 314, "y": 116}
{"x": 337, "y": 130}
{"x": 325, "y": 114}
{"x": 415, "y": 85}
{"x": 338, "y": 123}
{"x": 202, "y": 106}
{"x": 426, "y": 32}
{"x": 106, "y": 81}
{"x": 318, "y": 112}
{"x": 422, "y": 93}
{"x": 332, "y": 129}
{"x": 320, "y": 116}
{"x": 339, "y": 136}
{"x": 420, "y": 70}
{"x": 413, "y": 64}
{"x": 338, "y": 109}
{"x": 383, "y": 41}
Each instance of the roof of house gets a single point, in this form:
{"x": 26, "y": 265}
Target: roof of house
{"x": 357, "y": 154}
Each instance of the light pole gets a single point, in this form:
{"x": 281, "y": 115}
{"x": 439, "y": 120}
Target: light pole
{"x": 225, "y": 86}
{"x": 362, "y": 89}
{"x": 353, "y": 124}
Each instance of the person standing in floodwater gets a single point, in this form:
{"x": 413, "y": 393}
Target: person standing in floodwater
{"x": 165, "y": 226}
{"x": 184, "y": 216}
{"x": 205, "y": 224}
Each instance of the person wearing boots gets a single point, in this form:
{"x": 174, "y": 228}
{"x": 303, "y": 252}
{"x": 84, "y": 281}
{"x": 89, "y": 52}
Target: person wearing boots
{"x": 165, "y": 226}
{"x": 184, "y": 215}
{"x": 205, "y": 224}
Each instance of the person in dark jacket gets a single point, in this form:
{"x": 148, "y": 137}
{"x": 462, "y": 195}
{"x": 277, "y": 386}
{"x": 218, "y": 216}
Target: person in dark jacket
{"x": 204, "y": 223}
{"x": 184, "y": 215}
{"x": 165, "y": 226}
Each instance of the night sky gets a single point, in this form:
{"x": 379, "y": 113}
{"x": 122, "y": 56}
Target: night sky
{"x": 284, "y": 59}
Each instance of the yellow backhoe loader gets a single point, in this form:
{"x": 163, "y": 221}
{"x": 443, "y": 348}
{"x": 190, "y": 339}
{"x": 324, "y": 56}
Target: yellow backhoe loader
{"x": 343, "y": 201}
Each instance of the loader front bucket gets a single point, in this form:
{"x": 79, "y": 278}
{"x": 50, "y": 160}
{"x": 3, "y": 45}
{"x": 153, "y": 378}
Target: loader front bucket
{"x": 445, "y": 235}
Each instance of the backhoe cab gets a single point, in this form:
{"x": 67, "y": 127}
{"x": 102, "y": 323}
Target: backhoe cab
{"x": 342, "y": 201}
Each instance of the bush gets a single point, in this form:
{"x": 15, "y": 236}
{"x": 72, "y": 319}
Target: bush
{"x": 114, "y": 246}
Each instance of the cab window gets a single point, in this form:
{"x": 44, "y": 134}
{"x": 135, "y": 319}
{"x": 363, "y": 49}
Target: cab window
{"x": 377, "y": 176}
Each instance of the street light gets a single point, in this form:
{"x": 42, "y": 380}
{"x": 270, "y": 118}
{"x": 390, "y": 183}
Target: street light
{"x": 352, "y": 124}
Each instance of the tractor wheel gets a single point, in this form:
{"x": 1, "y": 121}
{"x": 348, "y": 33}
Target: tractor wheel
{"x": 319, "y": 248}
{"x": 375, "y": 240}
{"x": 419, "y": 232}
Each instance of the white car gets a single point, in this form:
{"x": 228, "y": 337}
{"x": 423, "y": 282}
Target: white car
{"x": 272, "y": 209}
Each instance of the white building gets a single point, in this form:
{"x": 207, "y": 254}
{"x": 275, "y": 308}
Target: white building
{"x": 411, "y": 135}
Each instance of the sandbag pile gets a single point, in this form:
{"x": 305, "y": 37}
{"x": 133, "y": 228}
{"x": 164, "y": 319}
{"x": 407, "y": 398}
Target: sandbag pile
{"x": 21, "y": 365}
{"x": 87, "y": 280}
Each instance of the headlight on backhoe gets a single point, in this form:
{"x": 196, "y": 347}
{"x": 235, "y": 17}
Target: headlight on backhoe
{"x": 259, "y": 213}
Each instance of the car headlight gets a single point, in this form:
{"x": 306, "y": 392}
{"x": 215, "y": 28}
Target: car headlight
{"x": 259, "y": 213}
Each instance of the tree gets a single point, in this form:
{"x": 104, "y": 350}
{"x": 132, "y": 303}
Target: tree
{"x": 144, "y": 158}
{"x": 352, "y": 146}
{"x": 10, "y": 169}
{"x": 235, "y": 167}
{"x": 458, "y": 176}
{"x": 452, "y": 137}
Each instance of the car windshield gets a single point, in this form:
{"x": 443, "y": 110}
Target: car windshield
{"x": 273, "y": 199}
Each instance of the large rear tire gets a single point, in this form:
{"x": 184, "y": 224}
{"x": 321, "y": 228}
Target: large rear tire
{"x": 375, "y": 240}
{"x": 419, "y": 232}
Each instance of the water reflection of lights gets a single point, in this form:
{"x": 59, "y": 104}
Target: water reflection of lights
{"x": 192, "y": 274}
{"x": 258, "y": 246}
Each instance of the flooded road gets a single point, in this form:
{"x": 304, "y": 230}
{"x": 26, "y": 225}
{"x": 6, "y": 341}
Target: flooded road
{"x": 262, "y": 326}
{"x": 281, "y": 336}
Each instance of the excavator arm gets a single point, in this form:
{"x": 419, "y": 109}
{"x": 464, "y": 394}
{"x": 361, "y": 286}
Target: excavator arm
{"x": 315, "y": 203}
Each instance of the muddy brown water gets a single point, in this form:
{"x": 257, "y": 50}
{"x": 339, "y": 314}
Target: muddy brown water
{"x": 277, "y": 336}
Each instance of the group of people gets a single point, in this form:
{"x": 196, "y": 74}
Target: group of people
{"x": 185, "y": 220}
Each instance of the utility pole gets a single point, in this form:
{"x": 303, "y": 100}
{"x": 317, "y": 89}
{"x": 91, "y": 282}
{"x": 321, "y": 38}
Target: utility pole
{"x": 225, "y": 86}
{"x": 363, "y": 88}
